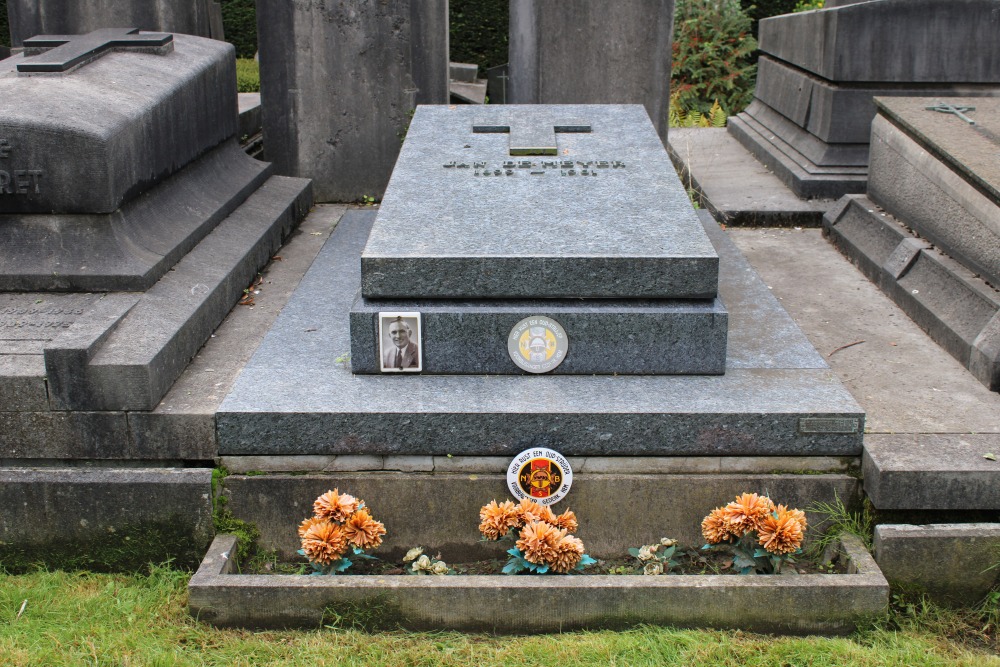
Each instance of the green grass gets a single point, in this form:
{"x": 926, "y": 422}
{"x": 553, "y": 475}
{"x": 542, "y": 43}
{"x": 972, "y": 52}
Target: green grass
{"x": 247, "y": 75}
{"x": 131, "y": 620}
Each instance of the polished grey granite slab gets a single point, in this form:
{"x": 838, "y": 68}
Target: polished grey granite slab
{"x": 468, "y": 215}
{"x": 298, "y": 396}
{"x": 605, "y": 336}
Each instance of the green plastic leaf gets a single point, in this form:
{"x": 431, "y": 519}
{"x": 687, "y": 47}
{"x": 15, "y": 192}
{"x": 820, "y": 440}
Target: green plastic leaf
{"x": 742, "y": 562}
{"x": 341, "y": 565}
{"x": 541, "y": 569}
{"x": 761, "y": 553}
{"x": 301, "y": 552}
{"x": 515, "y": 552}
{"x": 634, "y": 552}
{"x": 668, "y": 552}
{"x": 585, "y": 561}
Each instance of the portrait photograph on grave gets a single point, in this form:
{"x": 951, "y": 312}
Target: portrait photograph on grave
{"x": 400, "y": 342}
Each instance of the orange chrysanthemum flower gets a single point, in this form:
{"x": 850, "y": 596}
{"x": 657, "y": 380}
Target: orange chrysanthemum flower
{"x": 529, "y": 511}
{"x": 309, "y": 523}
{"x": 498, "y": 519}
{"x": 782, "y": 531}
{"x": 568, "y": 553}
{"x": 335, "y": 506}
{"x": 746, "y": 513}
{"x": 538, "y": 542}
{"x": 324, "y": 542}
{"x": 363, "y": 531}
{"x": 566, "y": 521}
{"x": 715, "y": 528}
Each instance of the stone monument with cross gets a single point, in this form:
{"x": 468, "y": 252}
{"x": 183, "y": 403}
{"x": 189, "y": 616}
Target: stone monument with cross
{"x": 819, "y": 72}
{"x": 928, "y": 231}
{"x": 130, "y": 222}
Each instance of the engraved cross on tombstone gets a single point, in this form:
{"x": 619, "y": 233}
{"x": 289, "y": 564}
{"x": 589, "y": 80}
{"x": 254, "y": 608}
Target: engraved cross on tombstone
{"x": 531, "y": 136}
{"x": 57, "y": 54}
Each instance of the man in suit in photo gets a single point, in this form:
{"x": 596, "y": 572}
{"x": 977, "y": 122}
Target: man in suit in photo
{"x": 403, "y": 352}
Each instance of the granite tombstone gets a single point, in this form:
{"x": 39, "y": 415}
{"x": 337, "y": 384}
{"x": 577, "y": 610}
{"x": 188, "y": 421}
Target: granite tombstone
{"x": 130, "y": 220}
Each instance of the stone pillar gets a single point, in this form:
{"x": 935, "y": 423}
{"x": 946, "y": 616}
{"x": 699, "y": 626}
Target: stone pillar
{"x": 71, "y": 17}
{"x": 592, "y": 52}
{"x": 340, "y": 80}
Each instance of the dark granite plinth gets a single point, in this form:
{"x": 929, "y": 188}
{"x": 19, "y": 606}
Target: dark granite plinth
{"x": 606, "y": 217}
{"x": 777, "y": 397}
{"x": 671, "y": 337}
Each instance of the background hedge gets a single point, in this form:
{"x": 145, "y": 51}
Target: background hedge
{"x": 4, "y": 26}
{"x": 239, "y": 21}
{"x": 478, "y": 32}
{"x": 762, "y": 9}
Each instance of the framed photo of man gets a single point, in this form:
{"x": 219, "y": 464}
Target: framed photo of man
{"x": 400, "y": 349}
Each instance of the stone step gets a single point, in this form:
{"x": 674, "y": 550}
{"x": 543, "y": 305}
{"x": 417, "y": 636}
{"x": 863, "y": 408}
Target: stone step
{"x": 298, "y": 396}
{"x": 932, "y": 472}
{"x": 957, "y": 309}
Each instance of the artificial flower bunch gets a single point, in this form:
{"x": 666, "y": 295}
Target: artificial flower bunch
{"x": 340, "y": 526}
{"x": 656, "y": 558}
{"x": 544, "y": 543}
{"x": 421, "y": 563}
{"x": 762, "y": 535}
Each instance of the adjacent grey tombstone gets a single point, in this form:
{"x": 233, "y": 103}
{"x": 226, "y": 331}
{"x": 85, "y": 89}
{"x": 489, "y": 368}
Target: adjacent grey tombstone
{"x": 69, "y": 17}
{"x": 819, "y": 72}
{"x": 339, "y": 83}
{"x": 130, "y": 219}
{"x": 928, "y": 233}
{"x": 592, "y": 52}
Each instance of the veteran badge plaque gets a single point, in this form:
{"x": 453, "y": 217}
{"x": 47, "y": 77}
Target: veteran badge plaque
{"x": 537, "y": 344}
{"x": 541, "y": 474}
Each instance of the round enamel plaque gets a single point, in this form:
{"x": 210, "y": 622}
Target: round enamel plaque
{"x": 537, "y": 344}
{"x": 540, "y": 474}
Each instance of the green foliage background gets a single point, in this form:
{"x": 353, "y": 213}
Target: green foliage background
{"x": 239, "y": 21}
{"x": 762, "y": 9}
{"x": 478, "y": 32}
{"x": 4, "y": 26}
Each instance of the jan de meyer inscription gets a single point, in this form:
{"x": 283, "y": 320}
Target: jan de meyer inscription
{"x": 17, "y": 181}
{"x": 536, "y": 167}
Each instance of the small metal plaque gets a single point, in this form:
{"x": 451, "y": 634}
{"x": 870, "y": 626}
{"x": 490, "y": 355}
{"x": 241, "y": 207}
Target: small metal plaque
{"x": 537, "y": 344}
{"x": 828, "y": 425}
{"x": 541, "y": 474}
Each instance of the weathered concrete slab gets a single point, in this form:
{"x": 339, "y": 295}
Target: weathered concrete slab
{"x": 606, "y": 217}
{"x": 340, "y": 81}
{"x": 607, "y": 336}
{"x": 93, "y": 138}
{"x": 162, "y": 514}
{"x": 953, "y": 563}
{"x": 735, "y": 186}
{"x": 932, "y": 472}
{"x": 295, "y": 398}
{"x": 587, "y": 53}
{"x": 939, "y": 173}
{"x": 66, "y": 17}
{"x": 63, "y": 435}
{"x": 831, "y": 604}
{"x": 890, "y": 41}
{"x": 132, "y": 248}
{"x": 957, "y": 308}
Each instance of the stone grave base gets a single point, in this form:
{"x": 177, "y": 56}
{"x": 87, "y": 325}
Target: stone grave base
{"x": 925, "y": 283}
{"x": 804, "y": 604}
{"x": 298, "y": 396}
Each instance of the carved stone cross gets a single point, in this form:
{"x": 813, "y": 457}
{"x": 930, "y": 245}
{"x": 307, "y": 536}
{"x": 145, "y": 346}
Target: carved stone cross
{"x": 532, "y": 137}
{"x": 55, "y": 54}
{"x": 958, "y": 111}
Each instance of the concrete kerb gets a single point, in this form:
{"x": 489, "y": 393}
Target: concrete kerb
{"x": 827, "y": 604}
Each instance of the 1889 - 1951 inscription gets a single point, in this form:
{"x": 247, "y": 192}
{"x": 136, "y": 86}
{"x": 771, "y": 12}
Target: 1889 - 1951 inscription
{"x": 17, "y": 181}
